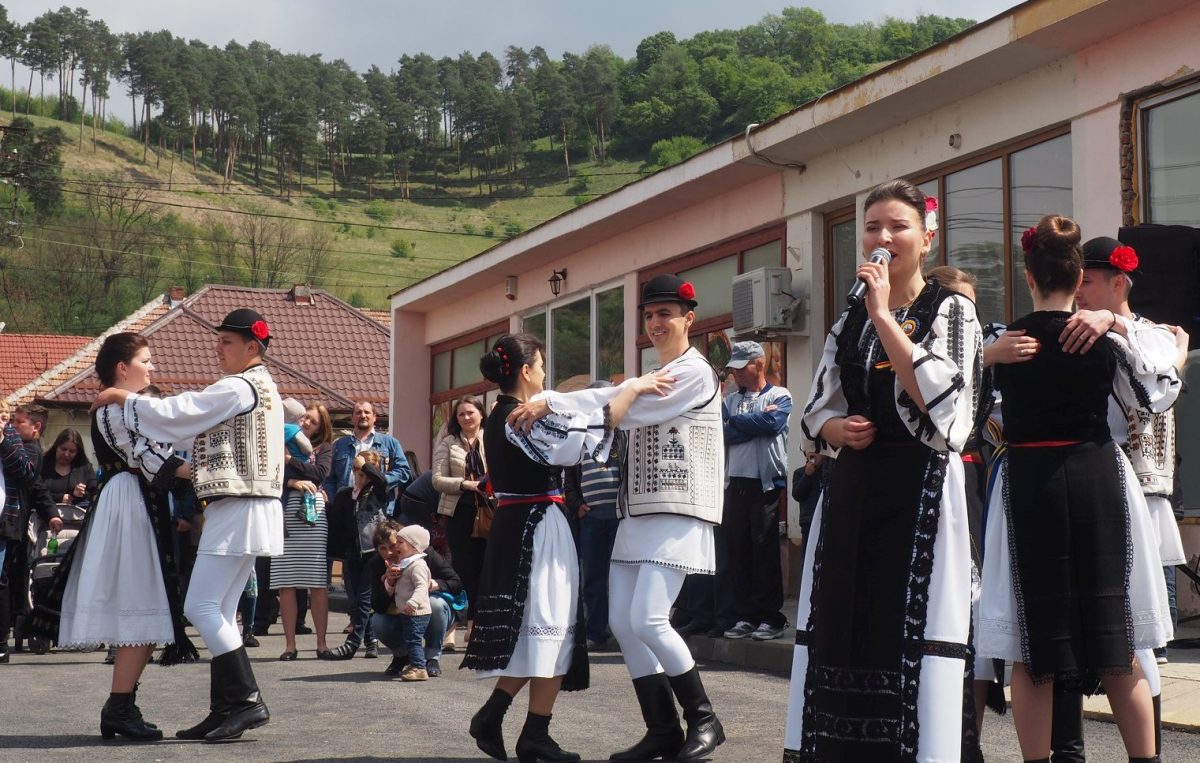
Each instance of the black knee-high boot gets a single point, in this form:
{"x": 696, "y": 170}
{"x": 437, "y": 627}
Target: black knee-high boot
{"x": 535, "y": 745}
{"x": 120, "y": 716}
{"x": 704, "y": 731}
{"x": 1066, "y": 728}
{"x": 487, "y": 725}
{"x": 663, "y": 737}
{"x": 1156, "y": 700}
{"x": 240, "y": 695}
{"x": 217, "y": 711}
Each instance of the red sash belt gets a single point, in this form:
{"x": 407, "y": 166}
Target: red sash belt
{"x": 1045, "y": 444}
{"x": 972, "y": 458}
{"x": 528, "y": 499}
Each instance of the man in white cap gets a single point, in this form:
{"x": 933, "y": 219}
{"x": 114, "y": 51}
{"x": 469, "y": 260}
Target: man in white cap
{"x": 749, "y": 582}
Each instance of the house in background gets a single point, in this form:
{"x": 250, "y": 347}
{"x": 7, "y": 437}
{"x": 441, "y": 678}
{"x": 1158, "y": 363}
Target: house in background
{"x": 25, "y": 357}
{"x": 322, "y": 350}
{"x": 1085, "y": 108}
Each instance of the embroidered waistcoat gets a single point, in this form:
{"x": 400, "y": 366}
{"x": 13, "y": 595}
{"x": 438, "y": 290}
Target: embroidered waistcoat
{"x": 243, "y": 456}
{"x": 1151, "y": 448}
{"x": 678, "y": 467}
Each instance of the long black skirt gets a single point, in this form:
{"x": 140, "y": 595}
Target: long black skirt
{"x": 1071, "y": 557}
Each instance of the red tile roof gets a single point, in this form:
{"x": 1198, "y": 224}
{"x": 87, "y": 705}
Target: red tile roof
{"x": 24, "y": 357}
{"x": 326, "y": 351}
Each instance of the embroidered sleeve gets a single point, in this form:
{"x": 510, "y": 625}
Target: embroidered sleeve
{"x": 1138, "y": 382}
{"x": 695, "y": 384}
{"x": 826, "y": 400}
{"x": 1150, "y": 348}
{"x": 566, "y": 439}
{"x": 183, "y": 416}
{"x": 948, "y": 364}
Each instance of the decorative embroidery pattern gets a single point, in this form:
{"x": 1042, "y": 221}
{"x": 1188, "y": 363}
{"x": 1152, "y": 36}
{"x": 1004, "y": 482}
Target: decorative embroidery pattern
{"x": 857, "y": 681}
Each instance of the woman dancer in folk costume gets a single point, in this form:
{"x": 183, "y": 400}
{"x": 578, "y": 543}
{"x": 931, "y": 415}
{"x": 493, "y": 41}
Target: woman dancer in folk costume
{"x": 884, "y": 618}
{"x": 670, "y": 504}
{"x": 1072, "y": 584}
{"x": 237, "y": 423}
{"x": 529, "y": 620}
{"x": 117, "y": 584}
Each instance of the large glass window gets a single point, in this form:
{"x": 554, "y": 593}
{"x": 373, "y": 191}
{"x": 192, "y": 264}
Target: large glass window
{"x": 585, "y": 338}
{"x": 1039, "y": 183}
{"x": 714, "y": 286}
{"x": 1172, "y": 157}
{"x": 844, "y": 255}
{"x": 974, "y": 232}
{"x": 570, "y": 362}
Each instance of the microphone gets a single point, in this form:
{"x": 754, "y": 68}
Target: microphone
{"x": 859, "y": 291}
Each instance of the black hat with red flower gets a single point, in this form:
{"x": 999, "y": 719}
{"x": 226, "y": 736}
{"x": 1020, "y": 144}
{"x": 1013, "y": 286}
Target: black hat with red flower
{"x": 248, "y": 323}
{"x": 1110, "y": 254}
{"x": 668, "y": 288}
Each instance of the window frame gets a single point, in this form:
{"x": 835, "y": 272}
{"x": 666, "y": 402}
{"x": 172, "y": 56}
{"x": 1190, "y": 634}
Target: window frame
{"x": 1142, "y": 105}
{"x": 478, "y": 388}
{"x": 834, "y": 304}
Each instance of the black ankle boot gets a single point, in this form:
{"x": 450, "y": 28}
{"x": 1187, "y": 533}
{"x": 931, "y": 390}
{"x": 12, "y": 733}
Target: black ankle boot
{"x": 120, "y": 716}
{"x": 136, "y": 709}
{"x": 704, "y": 731}
{"x": 487, "y": 725}
{"x": 663, "y": 737}
{"x": 535, "y": 745}
{"x": 217, "y": 711}
{"x": 240, "y": 695}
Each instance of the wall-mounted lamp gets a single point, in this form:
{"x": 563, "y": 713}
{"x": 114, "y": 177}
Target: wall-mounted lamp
{"x": 556, "y": 281}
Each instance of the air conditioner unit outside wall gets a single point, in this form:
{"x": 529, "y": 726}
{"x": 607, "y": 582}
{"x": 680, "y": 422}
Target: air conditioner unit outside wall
{"x": 763, "y": 300}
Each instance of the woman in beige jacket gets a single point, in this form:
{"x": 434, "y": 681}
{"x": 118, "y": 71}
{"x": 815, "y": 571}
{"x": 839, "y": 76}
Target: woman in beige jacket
{"x": 458, "y": 466}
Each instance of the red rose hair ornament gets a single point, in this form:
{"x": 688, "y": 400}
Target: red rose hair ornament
{"x": 687, "y": 291}
{"x": 260, "y": 330}
{"x": 1029, "y": 239}
{"x": 1124, "y": 259}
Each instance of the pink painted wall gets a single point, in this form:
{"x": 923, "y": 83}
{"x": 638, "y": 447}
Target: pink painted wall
{"x": 411, "y": 374}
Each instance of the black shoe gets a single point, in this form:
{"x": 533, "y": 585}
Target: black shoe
{"x": 487, "y": 725}
{"x": 120, "y": 716}
{"x": 396, "y": 665}
{"x": 535, "y": 745}
{"x": 343, "y": 652}
{"x": 136, "y": 709}
{"x": 433, "y": 667}
{"x": 696, "y": 628}
{"x": 217, "y": 710}
{"x": 372, "y": 649}
{"x": 4, "y": 656}
{"x": 303, "y": 630}
{"x": 663, "y": 737}
{"x": 261, "y": 630}
{"x": 249, "y": 640}
{"x": 704, "y": 731}
{"x": 717, "y": 631}
{"x": 241, "y": 697}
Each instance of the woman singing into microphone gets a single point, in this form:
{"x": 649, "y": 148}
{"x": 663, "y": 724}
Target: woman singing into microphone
{"x": 885, "y": 604}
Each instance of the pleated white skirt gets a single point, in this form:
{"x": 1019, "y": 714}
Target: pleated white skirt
{"x": 115, "y": 594}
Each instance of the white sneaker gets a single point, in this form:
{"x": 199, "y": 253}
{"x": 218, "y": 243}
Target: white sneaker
{"x": 741, "y": 630}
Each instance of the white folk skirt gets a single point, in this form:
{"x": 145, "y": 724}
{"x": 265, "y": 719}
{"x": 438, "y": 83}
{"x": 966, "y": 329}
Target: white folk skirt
{"x": 115, "y": 594}
{"x": 546, "y": 640}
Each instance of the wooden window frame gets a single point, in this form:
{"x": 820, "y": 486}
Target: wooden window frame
{"x": 448, "y": 345}
{"x": 834, "y": 302}
{"x": 1136, "y": 180}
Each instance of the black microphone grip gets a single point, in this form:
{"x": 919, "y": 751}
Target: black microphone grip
{"x": 858, "y": 292}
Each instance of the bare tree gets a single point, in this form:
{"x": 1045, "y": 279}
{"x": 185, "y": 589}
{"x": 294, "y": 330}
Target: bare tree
{"x": 120, "y": 224}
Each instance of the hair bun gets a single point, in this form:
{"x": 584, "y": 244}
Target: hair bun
{"x": 491, "y": 365}
{"x": 1059, "y": 233}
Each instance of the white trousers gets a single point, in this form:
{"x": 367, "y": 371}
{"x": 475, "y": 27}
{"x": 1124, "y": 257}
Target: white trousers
{"x": 216, "y": 585}
{"x": 639, "y": 605}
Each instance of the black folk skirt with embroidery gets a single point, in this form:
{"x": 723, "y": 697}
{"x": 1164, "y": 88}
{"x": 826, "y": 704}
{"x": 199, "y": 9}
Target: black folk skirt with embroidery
{"x": 504, "y": 589}
{"x": 1071, "y": 559}
{"x": 870, "y": 602}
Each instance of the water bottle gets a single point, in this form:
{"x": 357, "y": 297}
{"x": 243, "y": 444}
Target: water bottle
{"x": 310, "y": 508}
{"x": 52, "y": 545}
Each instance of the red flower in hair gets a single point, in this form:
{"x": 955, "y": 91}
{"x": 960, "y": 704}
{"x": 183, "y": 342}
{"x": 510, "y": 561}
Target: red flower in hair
{"x": 687, "y": 291}
{"x": 260, "y": 330}
{"x": 1124, "y": 259}
{"x": 930, "y": 204}
{"x": 1029, "y": 239}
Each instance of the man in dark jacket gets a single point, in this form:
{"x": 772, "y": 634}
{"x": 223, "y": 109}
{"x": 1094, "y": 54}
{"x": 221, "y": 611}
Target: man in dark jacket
{"x": 443, "y": 579}
{"x": 23, "y": 493}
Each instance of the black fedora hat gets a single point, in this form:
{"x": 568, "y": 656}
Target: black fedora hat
{"x": 248, "y": 323}
{"x": 668, "y": 288}
{"x": 1106, "y": 253}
